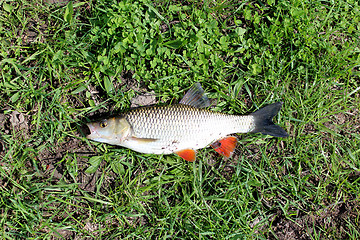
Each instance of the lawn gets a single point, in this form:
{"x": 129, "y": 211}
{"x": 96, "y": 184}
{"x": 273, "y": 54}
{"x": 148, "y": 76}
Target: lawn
{"x": 64, "y": 63}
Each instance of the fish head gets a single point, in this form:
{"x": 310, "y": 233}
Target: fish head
{"x": 111, "y": 130}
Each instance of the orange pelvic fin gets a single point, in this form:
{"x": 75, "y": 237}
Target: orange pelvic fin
{"x": 225, "y": 146}
{"x": 187, "y": 154}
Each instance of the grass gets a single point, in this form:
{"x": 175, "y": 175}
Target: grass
{"x": 62, "y": 64}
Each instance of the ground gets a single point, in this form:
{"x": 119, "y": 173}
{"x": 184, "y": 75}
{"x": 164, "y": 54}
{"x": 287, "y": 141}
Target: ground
{"x": 65, "y": 64}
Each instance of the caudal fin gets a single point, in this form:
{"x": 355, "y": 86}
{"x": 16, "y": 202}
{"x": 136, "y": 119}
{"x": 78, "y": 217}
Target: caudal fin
{"x": 263, "y": 121}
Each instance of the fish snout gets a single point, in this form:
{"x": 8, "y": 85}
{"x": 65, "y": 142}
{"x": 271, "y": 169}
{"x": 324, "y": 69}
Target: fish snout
{"x": 91, "y": 133}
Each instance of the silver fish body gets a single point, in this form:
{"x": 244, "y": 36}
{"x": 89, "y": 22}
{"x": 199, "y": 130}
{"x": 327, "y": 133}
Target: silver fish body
{"x": 183, "y": 128}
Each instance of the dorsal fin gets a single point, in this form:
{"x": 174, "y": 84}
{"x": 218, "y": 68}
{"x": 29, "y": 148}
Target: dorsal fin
{"x": 195, "y": 97}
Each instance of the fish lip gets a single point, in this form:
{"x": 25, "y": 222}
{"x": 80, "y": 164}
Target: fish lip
{"x": 93, "y": 133}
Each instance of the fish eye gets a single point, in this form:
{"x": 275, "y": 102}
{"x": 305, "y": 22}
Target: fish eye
{"x": 103, "y": 124}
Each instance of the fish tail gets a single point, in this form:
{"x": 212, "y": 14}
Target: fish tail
{"x": 263, "y": 121}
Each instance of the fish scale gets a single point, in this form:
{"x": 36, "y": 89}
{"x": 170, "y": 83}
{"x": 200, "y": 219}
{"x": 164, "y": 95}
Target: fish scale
{"x": 183, "y": 122}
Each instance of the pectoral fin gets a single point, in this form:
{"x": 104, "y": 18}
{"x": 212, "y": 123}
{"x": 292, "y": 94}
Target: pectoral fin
{"x": 225, "y": 146}
{"x": 187, "y": 154}
{"x": 143, "y": 140}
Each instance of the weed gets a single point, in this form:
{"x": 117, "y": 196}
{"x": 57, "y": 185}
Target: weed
{"x": 62, "y": 64}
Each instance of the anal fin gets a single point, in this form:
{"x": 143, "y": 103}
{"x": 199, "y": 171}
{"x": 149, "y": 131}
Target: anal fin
{"x": 225, "y": 146}
{"x": 187, "y": 154}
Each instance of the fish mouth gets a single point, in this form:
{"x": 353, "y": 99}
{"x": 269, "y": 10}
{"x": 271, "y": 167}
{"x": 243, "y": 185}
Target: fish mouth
{"x": 84, "y": 130}
{"x": 91, "y": 133}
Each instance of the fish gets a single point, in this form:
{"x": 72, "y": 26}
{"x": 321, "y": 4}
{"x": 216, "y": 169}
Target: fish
{"x": 183, "y": 128}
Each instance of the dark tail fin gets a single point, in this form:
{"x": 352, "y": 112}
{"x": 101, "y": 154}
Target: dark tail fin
{"x": 263, "y": 121}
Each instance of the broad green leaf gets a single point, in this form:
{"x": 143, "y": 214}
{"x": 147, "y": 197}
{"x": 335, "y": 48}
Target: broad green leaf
{"x": 91, "y": 169}
{"x": 79, "y": 89}
{"x": 175, "y": 44}
{"x": 95, "y": 161}
{"x": 69, "y": 11}
{"x": 117, "y": 167}
{"x": 7, "y": 7}
{"x": 108, "y": 85}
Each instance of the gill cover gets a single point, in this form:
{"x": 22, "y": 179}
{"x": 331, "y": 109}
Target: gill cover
{"x": 112, "y": 131}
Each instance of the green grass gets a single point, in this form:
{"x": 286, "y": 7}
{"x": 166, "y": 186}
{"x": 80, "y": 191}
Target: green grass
{"x": 62, "y": 64}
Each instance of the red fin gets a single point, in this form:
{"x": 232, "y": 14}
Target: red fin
{"x": 225, "y": 146}
{"x": 187, "y": 154}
